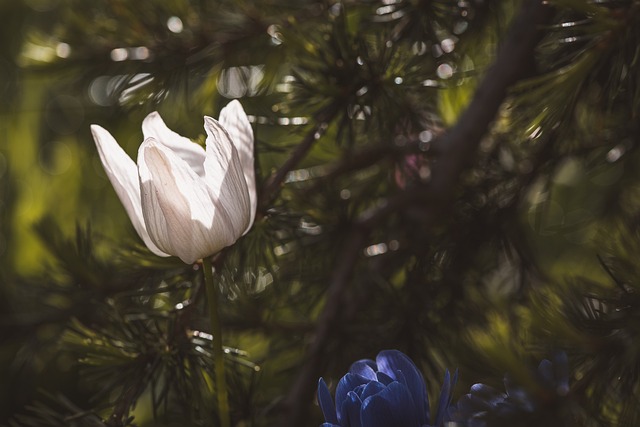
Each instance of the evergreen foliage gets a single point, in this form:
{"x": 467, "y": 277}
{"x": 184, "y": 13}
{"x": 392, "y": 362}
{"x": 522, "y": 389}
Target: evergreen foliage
{"x": 455, "y": 180}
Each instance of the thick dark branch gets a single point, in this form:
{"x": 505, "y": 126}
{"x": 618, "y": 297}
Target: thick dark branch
{"x": 459, "y": 144}
{"x": 456, "y": 149}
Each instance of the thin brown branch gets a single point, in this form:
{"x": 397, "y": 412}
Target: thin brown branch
{"x": 457, "y": 148}
{"x": 369, "y": 156}
{"x": 303, "y": 389}
{"x": 272, "y": 186}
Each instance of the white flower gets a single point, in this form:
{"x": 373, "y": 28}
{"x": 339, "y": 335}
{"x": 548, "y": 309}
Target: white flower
{"x": 183, "y": 200}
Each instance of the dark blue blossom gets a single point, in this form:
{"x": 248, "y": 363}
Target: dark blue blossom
{"x": 387, "y": 392}
{"x": 484, "y": 405}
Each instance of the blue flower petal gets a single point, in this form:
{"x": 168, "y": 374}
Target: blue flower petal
{"x": 347, "y": 383}
{"x": 445, "y": 397}
{"x": 398, "y": 377}
{"x": 365, "y": 367}
{"x": 326, "y": 403}
{"x": 555, "y": 375}
{"x": 358, "y": 390}
{"x": 561, "y": 370}
{"x": 545, "y": 370}
{"x": 517, "y": 395}
{"x": 386, "y": 379}
{"x": 472, "y": 404}
{"x": 371, "y": 389}
{"x": 469, "y": 411}
{"x": 392, "y": 407}
{"x": 489, "y": 394}
{"x": 330, "y": 425}
{"x": 351, "y": 410}
{"x": 391, "y": 361}
{"x": 508, "y": 408}
{"x": 477, "y": 421}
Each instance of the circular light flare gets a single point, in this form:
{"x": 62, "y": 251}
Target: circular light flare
{"x": 119, "y": 54}
{"x": 63, "y": 50}
{"x": 444, "y": 71}
{"x": 175, "y": 25}
{"x": 448, "y": 45}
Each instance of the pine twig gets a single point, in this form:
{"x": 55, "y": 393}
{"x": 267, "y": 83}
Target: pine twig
{"x": 272, "y": 186}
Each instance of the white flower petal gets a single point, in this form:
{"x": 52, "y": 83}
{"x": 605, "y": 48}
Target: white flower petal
{"x": 154, "y": 127}
{"x": 235, "y": 121}
{"x": 225, "y": 179}
{"x": 123, "y": 174}
{"x": 176, "y": 204}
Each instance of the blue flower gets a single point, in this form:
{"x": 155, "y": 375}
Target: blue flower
{"x": 389, "y": 392}
{"x": 484, "y": 405}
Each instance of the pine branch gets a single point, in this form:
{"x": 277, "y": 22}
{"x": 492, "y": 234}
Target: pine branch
{"x": 58, "y": 411}
{"x": 458, "y": 147}
{"x": 274, "y": 182}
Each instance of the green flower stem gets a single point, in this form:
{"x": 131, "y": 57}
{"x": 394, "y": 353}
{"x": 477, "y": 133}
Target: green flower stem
{"x": 218, "y": 351}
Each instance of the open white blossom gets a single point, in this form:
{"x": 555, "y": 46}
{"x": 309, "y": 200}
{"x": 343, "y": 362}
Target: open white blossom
{"x": 184, "y": 200}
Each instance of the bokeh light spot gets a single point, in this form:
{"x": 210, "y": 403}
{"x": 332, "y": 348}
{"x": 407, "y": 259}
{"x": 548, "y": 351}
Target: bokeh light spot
{"x": 444, "y": 71}
{"x": 174, "y": 24}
